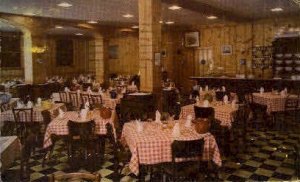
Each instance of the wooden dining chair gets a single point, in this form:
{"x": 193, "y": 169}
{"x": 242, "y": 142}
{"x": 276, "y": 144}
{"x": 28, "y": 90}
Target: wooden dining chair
{"x": 75, "y": 100}
{"x": 85, "y": 97}
{"x": 83, "y": 141}
{"x": 75, "y": 177}
{"x": 190, "y": 153}
{"x": 291, "y": 107}
{"x": 96, "y": 100}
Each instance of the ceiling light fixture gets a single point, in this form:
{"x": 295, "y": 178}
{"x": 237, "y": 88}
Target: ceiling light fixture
{"x": 135, "y": 27}
{"x": 59, "y": 27}
{"x": 78, "y": 34}
{"x": 212, "y": 17}
{"x": 92, "y": 22}
{"x": 64, "y": 5}
{"x": 161, "y": 22}
{"x": 175, "y": 7}
{"x": 169, "y": 22}
{"x": 128, "y": 16}
{"x": 29, "y": 14}
{"x": 276, "y": 9}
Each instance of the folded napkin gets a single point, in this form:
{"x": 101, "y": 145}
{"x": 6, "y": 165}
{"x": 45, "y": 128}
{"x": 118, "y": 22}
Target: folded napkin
{"x": 123, "y": 90}
{"x": 100, "y": 90}
{"x": 286, "y": 90}
{"x": 19, "y": 105}
{"x": 60, "y": 113}
{"x": 87, "y": 105}
{"x": 225, "y": 99}
{"x": 83, "y": 113}
{"x": 205, "y": 103}
{"x": 157, "y": 117}
{"x": 132, "y": 83}
{"x": 89, "y": 80}
{"x": 67, "y": 89}
{"x": 191, "y": 97}
{"x": 122, "y": 82}
{"x": 206, "y": 88}
{"x": 176, "y": 130}
{"x": 188, "y": 122}
{"x": 197, "y": 99}
{"x": 282, "y": 93}
{"x": 39, "y": 101}
{"x": 223, "y": 88}
{"x": 200, "y": 89}
{"x": 89, "y": 90}
{"x": 74, "y": 81}
{"x": 139, "y": 126}
{"x": 29, "y": 104}
{"x": 261, "y": 90}
{"x": 78, "y": 92}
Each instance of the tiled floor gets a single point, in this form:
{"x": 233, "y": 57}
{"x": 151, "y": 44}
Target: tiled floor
{"x": 269, "y": 156}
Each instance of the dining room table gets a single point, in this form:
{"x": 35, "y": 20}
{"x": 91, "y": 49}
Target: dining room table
{"x": 37, "y": 113}
{"x": 152, "y": 145}
{"x": 224, "y": 113}
{"x": 59, "y": 125}
{"x": 274, "y": 101}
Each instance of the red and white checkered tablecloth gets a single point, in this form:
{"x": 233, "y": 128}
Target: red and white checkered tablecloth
{"x": 37, "y": 113}
{"x": 153, "y": 144}
{"x": 274, "y": 102}
{"x": 223, "y": 112}
{"x": 107, "y": 100}
{"x": 59, "y": 126}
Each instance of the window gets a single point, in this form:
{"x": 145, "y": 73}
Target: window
{"x": 10, "y": 49}
{"x": 64, "y": 52}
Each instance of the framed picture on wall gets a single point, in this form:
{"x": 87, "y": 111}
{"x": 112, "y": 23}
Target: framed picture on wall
{"x": 113, "y": 52}
{"x": 226, "y": 49}
{"x": 157, "y": 58}
{"x": 191, "y": 39}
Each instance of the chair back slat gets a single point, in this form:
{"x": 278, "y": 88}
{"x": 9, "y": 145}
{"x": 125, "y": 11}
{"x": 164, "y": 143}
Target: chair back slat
{"x": 74, "y": 98}
{"x": 96, "y": 99}
{"x": 82, "y": 131}
{"x": 85, "y": 98}
{"x": 64, "y": 97}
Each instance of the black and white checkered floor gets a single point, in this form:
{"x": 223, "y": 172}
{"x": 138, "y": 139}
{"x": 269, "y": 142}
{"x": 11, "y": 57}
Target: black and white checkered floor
{"x": 269, "y": 157}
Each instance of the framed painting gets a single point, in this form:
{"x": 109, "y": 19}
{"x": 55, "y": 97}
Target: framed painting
{"x": 191, "y": 39}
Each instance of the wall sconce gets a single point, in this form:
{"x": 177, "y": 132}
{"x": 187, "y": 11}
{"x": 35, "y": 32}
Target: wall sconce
{"x": 38, "y": 50}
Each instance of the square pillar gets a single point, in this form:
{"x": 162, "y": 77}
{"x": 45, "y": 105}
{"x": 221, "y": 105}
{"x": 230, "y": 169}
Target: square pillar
{"x": 149, "y": 44}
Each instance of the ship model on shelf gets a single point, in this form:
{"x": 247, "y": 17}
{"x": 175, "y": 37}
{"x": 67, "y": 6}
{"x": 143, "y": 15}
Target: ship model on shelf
{"x": 286, "y": 53}
{"x": 262, "y": 58}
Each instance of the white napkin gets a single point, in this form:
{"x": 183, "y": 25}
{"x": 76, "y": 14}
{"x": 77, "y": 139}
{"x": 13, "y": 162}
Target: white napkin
{"x": 83, "y": 113}
{"x": 60, "y": 113}
{"x": 139, "y": 126}
{"x": 67, "y": 89}
{"x": 133, "y": 84}
{"x": 286, "y": 90}
{"x": 282, "y": 93}
{"x": 89, "y": 80}
{"x": 200, "y": 89}
{"x": 188, "y": 122}
{"x": 205, "y": 103}
{"x": 206, "y": 88}
{"x": 89, "y": 90}
{"x": 176, "y": 130}
{"x": 78, "y": 92}
{"x": 29, "y": 104}
{"x": 87, "y": 105}
{"x": 223, "y": 88}
{"x": 100, "y": 90}
{"x": 19, "y": 105}
{"x": 123, "y": 90}
{"x": 157, "y": 117}
{"x": 261, "y": 90}
{"x": 74, "y": 81}
{"x": 39, "y": 101}
{"x": 191, "y": 97}
{"x": 225, "y": 99}
{"x": 122, "y": 82}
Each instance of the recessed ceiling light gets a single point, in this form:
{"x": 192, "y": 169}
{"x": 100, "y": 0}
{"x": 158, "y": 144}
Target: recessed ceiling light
{"x": 276, "y": 9}
{"x": 64, "y": 4}
{"x": 29, "y": 14}
{"x": 126, "y": 30}
{"x": 135, "y": 27}
{"x": 161, "y": 22}
{"x": 174, "y": 7}
{"x": 78, "y": 34}
{"x": 169, "y": 22}
{"x": 92, "y": 22}
{"x": 128, "y": 16}
{"x": 212, "y": 17}
{"x": 59, "y": 27}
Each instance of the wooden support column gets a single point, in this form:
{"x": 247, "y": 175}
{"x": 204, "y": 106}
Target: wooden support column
{"x": 149, "y": 43}
{"x": 98, "y": 48}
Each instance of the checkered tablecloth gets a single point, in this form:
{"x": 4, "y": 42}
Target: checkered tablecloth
{"x": 59, "y": 126}
{"x": 107, "y": 100}
{"x": 153, "y": 144}
{"x": 274, "y": 102}
{"x": 37, "y": 113}
{"x": 223, "y": 112}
